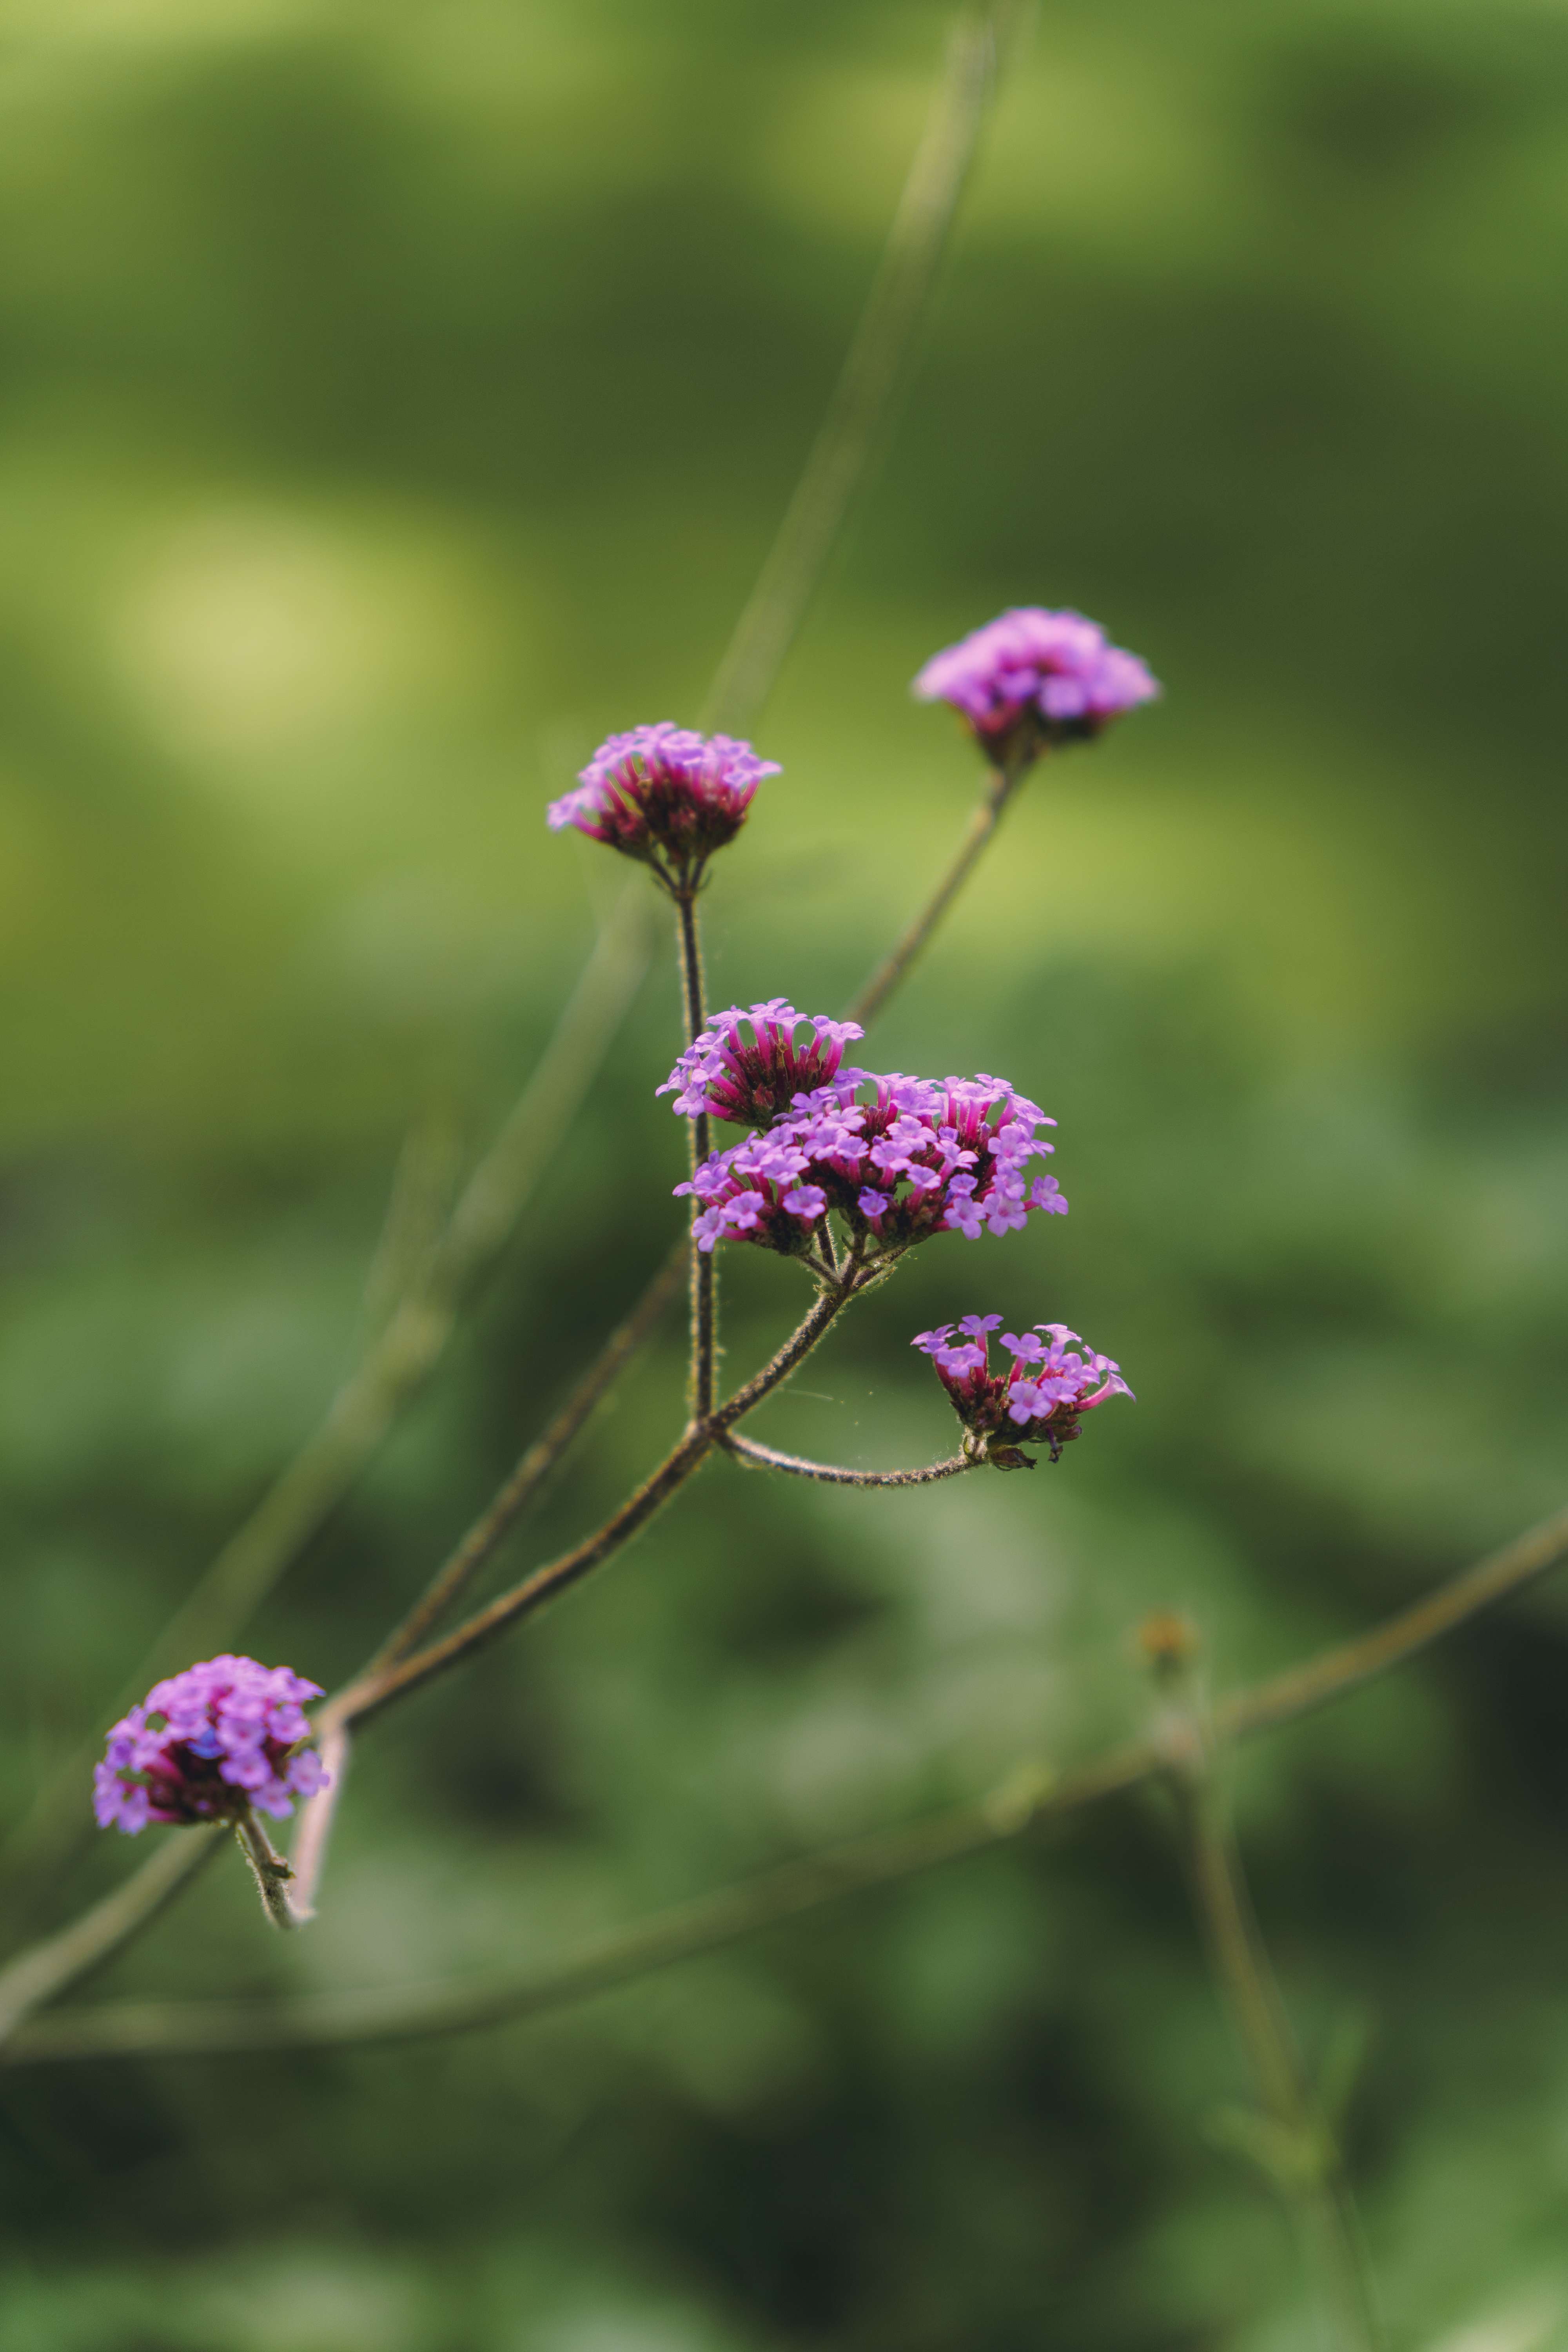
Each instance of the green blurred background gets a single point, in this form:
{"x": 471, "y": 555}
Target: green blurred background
{"x": 397, "y": 399}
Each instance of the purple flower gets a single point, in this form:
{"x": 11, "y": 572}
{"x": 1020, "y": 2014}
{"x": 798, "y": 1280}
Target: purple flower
{"x": 1030, "y": 678}
{"x": 1039, "y": 1400}
{"x": 206, "y": 1745}
{"x": 665, "y": 795}
{"x": 752, "y": 1079}
{"x": 921, "y": 1157}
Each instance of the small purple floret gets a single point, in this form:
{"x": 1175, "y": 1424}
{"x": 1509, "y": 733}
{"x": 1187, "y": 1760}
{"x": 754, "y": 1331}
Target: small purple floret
{"x": 1031, "y": 678}
{"x": 666, "y": 795}
{"x": 207, "y": 1745}
{"x": 921, "y": 1157}
{"x": 1040, "y": 1400}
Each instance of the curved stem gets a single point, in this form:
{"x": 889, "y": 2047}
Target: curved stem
{"x": 487, "y": 1532}
{"x": 767, "y": 1457}
{"x": 897, "y": 962}
{"x": 1033, "y": 1795}
{"x": 373, "y": 1691}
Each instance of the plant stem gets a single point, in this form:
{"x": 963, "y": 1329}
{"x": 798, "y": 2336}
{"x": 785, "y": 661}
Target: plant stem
{"x": 900, "y": 957}
{"x": 373, "y": 1691}
{"x": 700, "y": 1142}
{"x": 1304, "y": 2161}
{"x": 169, "y": 2029}
{"x": 464, "y": 1563}
{"x": 766, "y": 1457}
{"x": 268, "y": 1869}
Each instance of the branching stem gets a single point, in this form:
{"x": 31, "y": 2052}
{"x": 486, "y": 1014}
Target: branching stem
{"x": 1035, "y": 1795}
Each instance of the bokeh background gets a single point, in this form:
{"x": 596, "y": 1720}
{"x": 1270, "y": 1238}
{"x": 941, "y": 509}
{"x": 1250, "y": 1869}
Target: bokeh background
{"x": 395, "y": 400}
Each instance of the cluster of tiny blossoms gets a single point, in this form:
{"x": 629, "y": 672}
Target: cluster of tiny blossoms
{"x": 1039, "y": 1400}
{"x": 210, "y": 1744}
{"x": 922, "y": 1156}
{"x": 1032, "y": 677}
{"x": 666, "y": 795}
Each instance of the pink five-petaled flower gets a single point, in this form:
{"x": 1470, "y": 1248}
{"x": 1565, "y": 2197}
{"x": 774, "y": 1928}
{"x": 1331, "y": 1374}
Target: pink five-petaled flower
{"x": 1030, "y": 678}
{"x": 753, "y": 1079}
{"x": 207, "y": 1745}
{"x": 665, "y": 795}
{"x": 922, "y": 1156}
{"x": 1039, "y": 1400}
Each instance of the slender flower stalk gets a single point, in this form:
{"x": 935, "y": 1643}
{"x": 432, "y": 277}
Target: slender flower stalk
{"x": 1031, "y": 1795}
{"x": 268, "y": 1869}
{"x": 456, "y": 1574}
{"x": 872, "y": 996}
{"x": 828, "y": 1474}
{"x": 372, "y": 1692}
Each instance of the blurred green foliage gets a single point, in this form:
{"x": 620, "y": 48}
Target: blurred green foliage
{"x": 396, "y": 401}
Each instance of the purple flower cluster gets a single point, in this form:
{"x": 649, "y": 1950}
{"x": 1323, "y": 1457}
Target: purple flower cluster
{"x": 666, "y": 795}
{"x": 922, "y": 1156}
{"x": 754, "y": 1078}
{"x": 1032, "y": 677}
{"x": 1039, "y": 1400}
{"x": 208, "y": 1743}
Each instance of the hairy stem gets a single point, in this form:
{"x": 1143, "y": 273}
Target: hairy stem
{"x": 374, "y": 1692}
{"x": 464, "y": 1563}
{"x": 900, "y": 957}
{"x": 828, "y": 1473}
{"x": 268, "y": 1869}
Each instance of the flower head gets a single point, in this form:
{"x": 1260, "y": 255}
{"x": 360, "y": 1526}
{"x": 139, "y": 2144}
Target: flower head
{"x": 756, "y": 1077}
{"x": 1030, "y": 678}
{"x": 665, "y": 795}
{"x": 1039, "y": 1402}
{"x": 921, "y": 1157}
{"x": 207, "y": 1745}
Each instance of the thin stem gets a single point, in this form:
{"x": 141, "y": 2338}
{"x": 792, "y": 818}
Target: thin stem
{"x": 268, "y": 1869}
{"x": 482, "y": 1538}
{"x": 1303, "y": 2160}
{"x": 373, "y": 1691}
{"x": 766, "y": 1457}
{"x": 1031, "y": 1796}
{"x": 700, "y": 1142}
{"x": 897, "y": 962}
{"x": 399, "y": 1359}
{"x": 862, "y": 405}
